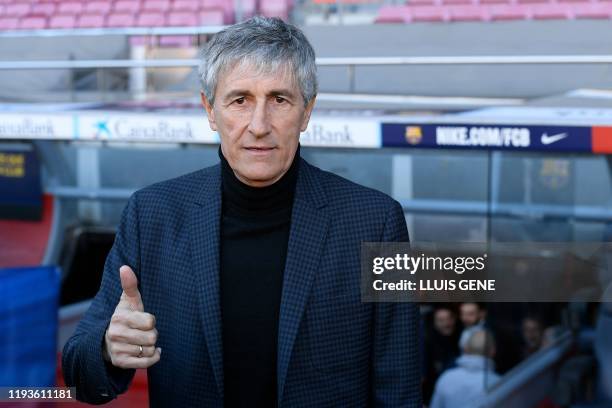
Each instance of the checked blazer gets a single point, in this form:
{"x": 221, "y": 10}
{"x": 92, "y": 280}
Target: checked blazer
{"x": 333, "y": 350}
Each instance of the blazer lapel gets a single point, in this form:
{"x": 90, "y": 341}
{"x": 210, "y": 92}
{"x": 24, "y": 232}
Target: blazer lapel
{"x": 306, "y": 240}
{"x": 205, "y": 233}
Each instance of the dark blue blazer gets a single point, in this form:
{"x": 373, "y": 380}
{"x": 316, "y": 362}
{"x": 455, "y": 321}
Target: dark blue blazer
{"x": 333, "y": 350}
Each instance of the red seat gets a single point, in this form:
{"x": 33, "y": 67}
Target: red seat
{"x": 156, "y": 5}
{"x": 390, "y": 14}
{"x": 126, "y": 6}
{"x": 552, "y": 11}
{"x": 120, "y": 20}
{"x": 453, "y": 2}
{"x": 212, "y": 17}
{"x": 45, "y": 9}
{"x": 427, "y": 14}
{"x": 182, "y": 19}
{"x": 33, "y": 23}
{"x": 90, "y": 21}
{"x": 422, "y": 2}
{"x": 16, "y": 10}
{"x": 70, "y": 8}
{"x": 592, "y": 10}
{"x": 98, "y": 7}
{"x": 226, "y": 6}
{"x": 468, "y": 12}
{"x": 499, "y": 12}
{"x": 485, "y": 2}
{"x": 150, "y": 20}
{"x": 186, "y": 5}
{"x": 62, "y": 22}
{"x": 9, "y": 23}
{"x": 533, "y": 1}
{"x": 275, "y": 8}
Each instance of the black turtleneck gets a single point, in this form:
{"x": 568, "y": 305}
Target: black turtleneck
{"x": 254, "y": 235}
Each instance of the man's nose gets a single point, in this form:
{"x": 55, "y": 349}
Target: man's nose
{"x": 259, "y": 125}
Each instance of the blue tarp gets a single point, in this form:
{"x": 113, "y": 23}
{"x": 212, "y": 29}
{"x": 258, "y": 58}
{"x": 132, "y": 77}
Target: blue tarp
{"x": 29, "y": 301}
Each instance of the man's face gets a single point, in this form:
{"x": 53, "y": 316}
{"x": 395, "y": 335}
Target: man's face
{"x": 444, "y": 322}
{"x": 532, "y": 333}
{"x": 470, "y": 314}
{"x": 259, "y": 119}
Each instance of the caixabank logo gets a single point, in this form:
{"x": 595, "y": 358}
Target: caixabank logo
{"x": 137, "y": 128}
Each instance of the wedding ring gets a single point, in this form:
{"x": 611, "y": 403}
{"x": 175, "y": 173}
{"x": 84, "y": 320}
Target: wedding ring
{"x": 139, "y": 351}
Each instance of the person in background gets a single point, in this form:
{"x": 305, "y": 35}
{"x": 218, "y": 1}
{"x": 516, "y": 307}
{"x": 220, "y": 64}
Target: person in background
{"x": 441, "y": 347}
{"x": 464, "y": 385}
{"x": 472, "y": 317}
{"x": 533, "y": 333}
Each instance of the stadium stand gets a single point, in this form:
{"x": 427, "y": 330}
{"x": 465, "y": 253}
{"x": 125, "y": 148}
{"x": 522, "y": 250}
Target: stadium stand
{"x": 493, "y": 10}
{"x": 69, "y": 14}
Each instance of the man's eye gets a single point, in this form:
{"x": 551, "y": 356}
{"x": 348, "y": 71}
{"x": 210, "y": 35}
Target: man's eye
{"x": 279, "y": 99}
{"x": 239, "y": 101}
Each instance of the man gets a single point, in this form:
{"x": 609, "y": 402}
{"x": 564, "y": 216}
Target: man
{"x": 246, "y": 274}
{"x": 441, "y": 347}
{"x": 472, "y": 317}
{"x": 465, "y": 385}
{"x": 532, "y": 330}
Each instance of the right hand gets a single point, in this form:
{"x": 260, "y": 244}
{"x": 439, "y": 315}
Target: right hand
{"x": 131, "y": 327}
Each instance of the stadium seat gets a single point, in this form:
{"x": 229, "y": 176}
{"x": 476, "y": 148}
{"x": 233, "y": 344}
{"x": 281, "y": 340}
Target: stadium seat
{"x": 598, "y": 10}
{"x": 16, "y": 10}
{"x": 9, "y": 23}
{"x": 453, "y": 2}
{"x": 501, "y": 12}
{"x": 45, "y": 9}
{"x": 553, "y": 11}
{"x": 126, "y": 6}
{"x": 90, "y": 21}
{"x": 33, "y": 23}
{"x": 485, "y": 2}
{"x": 468, "y": 12}
{"x": 98, "y": 7}
{"x": 389, "y": 14}
{"x": 533, "y": 1}
{"x": 211, "y": 17}
{"x": 427, "y": 14}
{"x": 274, "y": 8}
{"x": 70, "y": 8}
{"x": 422, "y": 2}
{"x": 62, "y": 21}
{"x": 156, "y": 5}
{"x": 179, "y": 19}
{"x": 120, "y": 20}
{"x": 223, "y": 5}
{"x": 150, "y": 20}
{"x": 186, "y": 5}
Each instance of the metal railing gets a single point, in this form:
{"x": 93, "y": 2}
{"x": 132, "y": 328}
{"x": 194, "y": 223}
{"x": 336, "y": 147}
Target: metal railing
{"x": 350, "y": 62}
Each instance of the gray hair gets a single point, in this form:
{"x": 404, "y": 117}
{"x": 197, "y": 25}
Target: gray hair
{"x": 268, "y": 44}
{"x": 480, "y": 342}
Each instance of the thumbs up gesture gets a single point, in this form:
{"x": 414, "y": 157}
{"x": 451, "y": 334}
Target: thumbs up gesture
{"x": 129, "y": 341}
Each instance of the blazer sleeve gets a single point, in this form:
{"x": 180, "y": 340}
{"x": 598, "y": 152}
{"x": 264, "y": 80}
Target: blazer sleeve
{"x": 397, "y": 337}
{"x": 96, "y": 380}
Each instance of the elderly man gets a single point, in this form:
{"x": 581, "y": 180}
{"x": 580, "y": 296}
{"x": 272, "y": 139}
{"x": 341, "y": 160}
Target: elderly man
{"x": 246, "y": 274}
{"x": 466, "y": 385}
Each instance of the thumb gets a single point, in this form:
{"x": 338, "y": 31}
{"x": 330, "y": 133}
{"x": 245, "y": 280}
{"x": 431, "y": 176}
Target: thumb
{"x": 129, "y": 284}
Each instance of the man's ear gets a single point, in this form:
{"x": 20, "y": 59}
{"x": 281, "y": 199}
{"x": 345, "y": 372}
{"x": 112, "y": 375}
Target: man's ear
{"x": 307, "y": 113}
{"x": 209, "y": 111}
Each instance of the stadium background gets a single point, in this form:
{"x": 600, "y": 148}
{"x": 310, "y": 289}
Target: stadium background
{"x": 92, "y": 90}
